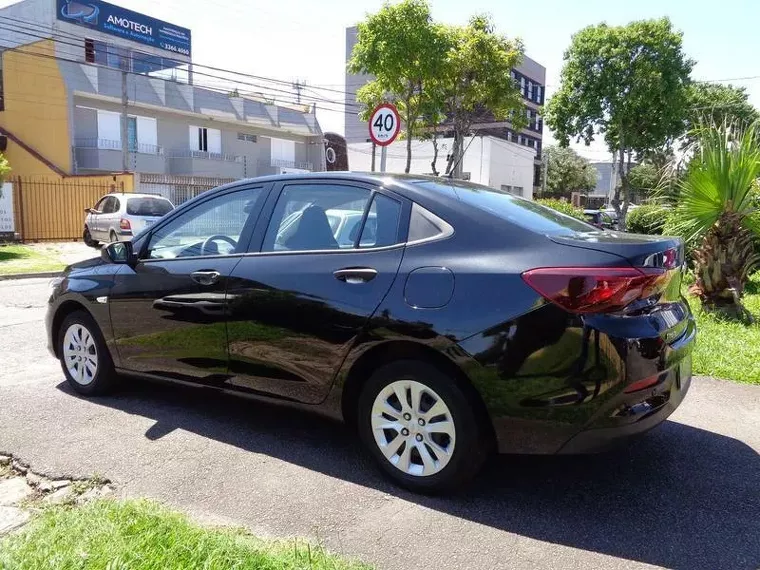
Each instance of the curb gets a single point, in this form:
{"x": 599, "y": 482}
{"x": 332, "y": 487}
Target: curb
{"x": 12, "y": 276}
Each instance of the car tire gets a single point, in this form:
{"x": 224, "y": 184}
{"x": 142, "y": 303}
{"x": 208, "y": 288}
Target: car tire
{"x": 454, "y": 441}
{"x": 84, "y": 356}
{"x": 87, "y": 238}
{"x": 113, "y": 237}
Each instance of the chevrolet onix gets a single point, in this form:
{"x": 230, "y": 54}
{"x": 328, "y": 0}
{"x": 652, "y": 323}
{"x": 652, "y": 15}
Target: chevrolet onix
{"x": 446, "y": 321}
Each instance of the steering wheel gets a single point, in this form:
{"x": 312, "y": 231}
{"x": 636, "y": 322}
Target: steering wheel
{"x": 218, "y": 237}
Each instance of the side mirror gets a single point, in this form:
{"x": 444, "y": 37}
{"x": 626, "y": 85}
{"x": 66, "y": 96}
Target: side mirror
{"x": 88, "y": 210}
{"x": 118, "y": 252}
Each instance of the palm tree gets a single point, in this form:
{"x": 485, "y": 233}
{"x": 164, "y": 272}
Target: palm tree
{"x": 716, "y": 213}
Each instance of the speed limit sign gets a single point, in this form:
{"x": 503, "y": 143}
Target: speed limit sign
{"x": 384, "y": 124}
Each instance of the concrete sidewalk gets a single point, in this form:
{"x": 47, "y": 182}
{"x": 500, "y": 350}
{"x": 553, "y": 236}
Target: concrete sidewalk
{"x": 684, "y": 496}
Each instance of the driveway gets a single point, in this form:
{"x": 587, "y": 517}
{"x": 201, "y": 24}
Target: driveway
{"x": 685, "y": 496}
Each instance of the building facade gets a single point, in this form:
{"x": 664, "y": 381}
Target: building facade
{"x": 93, "y": 88}
{"x": 530, "y": 76}
{"x": 487, "y": 160}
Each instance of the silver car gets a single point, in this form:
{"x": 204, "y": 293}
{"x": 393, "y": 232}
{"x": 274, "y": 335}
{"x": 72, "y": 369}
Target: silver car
{"x": 118, "y": 217}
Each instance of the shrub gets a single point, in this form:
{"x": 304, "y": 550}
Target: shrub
{"x": 649, "y": 219}
{"x": 564, "y": 207}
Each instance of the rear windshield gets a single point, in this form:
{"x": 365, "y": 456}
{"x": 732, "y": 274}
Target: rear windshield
{"x": 148, "y": 206}
{"x": 525, "y": 213}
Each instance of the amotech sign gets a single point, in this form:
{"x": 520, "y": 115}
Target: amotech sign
{"x": 124, "y": 23}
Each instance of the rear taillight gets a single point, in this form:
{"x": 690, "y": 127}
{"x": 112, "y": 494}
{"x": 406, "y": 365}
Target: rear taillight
{"x": 124, "y": 224}
{"x": 596, "y": 289}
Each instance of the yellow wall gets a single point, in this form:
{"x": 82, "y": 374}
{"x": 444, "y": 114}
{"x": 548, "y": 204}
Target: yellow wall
{"x": 36, "y": 108}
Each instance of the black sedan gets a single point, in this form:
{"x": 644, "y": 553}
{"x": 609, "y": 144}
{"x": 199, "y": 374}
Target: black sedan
{"x": 448, "y": 321}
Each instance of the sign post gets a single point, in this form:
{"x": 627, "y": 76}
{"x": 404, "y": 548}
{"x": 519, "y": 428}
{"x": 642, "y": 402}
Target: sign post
{"x": 384, "y": 127}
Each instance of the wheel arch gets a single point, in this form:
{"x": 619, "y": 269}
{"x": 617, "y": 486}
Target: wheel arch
{"x": 64, "y": 310}
{"x": 394, "y": 350}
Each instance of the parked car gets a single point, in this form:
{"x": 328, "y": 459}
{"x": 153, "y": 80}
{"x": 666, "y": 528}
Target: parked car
{"x": 600, "y": 219}
{"x": 118, "y": 217}
{"x": 459, "y": 320}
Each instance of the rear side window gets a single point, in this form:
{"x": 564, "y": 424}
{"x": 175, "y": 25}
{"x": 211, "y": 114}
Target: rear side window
{"x": 524, "y": 213}
{"x": 108, "y": 205}
{"x": 148, "y": 206}
{"x": 424, "y": 226}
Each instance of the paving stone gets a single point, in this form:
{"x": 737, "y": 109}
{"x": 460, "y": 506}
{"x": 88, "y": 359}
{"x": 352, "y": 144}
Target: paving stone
{"x": 20, "y": 467}
{"x": 59, "y": 496}
{"x": 33, "y": 479}
{"x": 11, "y": 518}
{"x": 13, "y": 491}
{"x": 60, "y": 483}
{"x": 5, "y": 460}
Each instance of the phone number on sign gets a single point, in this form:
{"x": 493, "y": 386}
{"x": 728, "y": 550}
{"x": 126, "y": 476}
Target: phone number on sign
{"x": 170, "y": 47}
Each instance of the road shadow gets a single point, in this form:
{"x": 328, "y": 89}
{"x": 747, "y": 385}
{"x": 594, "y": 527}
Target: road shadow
{"x": 679, "y": 497}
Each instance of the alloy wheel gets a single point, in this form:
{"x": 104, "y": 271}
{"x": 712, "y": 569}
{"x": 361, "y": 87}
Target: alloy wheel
{"x": 413, "y": 428}
{"x": 80, "y": 355}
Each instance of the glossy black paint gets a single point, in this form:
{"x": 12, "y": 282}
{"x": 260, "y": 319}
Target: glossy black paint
{"x": 282, "y": 326}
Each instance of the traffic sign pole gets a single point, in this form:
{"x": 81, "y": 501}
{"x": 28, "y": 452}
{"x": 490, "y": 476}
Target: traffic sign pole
{"x": 383, "y": 157}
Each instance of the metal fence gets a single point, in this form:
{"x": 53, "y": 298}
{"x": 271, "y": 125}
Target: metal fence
{"x": 178, "y": 189}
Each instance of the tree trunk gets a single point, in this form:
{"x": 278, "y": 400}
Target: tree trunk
{"x": 453, "y": 155}
{"x": 722, "y": 264}
{"x": 433, "y": 164}
{"x": 408, "y": 150}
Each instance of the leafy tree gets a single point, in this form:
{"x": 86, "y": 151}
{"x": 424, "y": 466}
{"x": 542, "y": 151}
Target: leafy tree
{"x": 714, "y": 104}
{"x": 628, "y": 84}
{"x": 644, "y": 179}
{"x": 475, "y": 79}
{"x": 716, "y": 213}
{"x": 567, "y": 171}
{"x": 403, "y": 49}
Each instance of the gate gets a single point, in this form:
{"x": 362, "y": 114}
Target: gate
{"x": 53, "y": 209}
{"x": 178, "y": 189}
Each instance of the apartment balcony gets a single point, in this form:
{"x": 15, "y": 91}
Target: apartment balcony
{"x": 106, "y": 155}
{"x": 188, "y": 162}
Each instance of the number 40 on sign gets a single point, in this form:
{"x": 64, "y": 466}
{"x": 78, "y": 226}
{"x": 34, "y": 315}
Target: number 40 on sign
{"x": 384, "y": 124}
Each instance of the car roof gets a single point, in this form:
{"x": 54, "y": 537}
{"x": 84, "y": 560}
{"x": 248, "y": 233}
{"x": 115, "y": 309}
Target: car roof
{"x": 133, "y": 195}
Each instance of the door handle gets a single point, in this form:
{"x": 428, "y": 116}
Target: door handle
{"x": 355, "y": 274}
{"x": 205, "y": 277}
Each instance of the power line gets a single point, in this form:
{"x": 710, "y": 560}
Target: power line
{"x": 69, "y": 35}
{"x": 152, "y": 61}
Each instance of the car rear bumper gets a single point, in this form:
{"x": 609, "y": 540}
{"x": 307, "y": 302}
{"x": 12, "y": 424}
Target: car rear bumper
{"x": 636, "y": 414}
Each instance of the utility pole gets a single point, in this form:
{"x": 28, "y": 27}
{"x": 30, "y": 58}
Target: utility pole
{"x": 298, "y": 85}
{"x": 124, "y": 138}
{"x": 546, "y": 172}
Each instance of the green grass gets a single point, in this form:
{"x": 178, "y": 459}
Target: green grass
{"x": 729, "y": 349}
{"x": 141, "y": 535}
{"x": 18, "y": 258}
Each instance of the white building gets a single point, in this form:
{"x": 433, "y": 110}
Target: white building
{"x": 487, "y": 160}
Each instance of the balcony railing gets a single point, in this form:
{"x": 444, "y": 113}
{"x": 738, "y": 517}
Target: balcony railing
{"x": 278, "y": 163}
{"x": 106, "y": 144}
{"x": 188, "y": 153}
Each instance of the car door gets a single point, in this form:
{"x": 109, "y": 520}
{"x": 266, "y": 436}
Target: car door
{"x": 299, "y": 302}
{"x": 168, "y": 312}
{"x": 96, "y": 230}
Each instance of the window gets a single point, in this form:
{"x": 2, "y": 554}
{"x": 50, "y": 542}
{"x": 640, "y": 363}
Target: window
{"x": 109, "y": 129}
{"x": 425, "y": 225}
{"x": 101, "y": 204}
{"x": 132, "y": 134}
{"x": 388, "y": 212}
{"x": 223, "y": 218}
{"x": 506, "y": 187}
{"x": 523, "y": 213}
{"x": 531, "y": 143}
{"x": 246, "y": 137}
{"x": 89, "y": 50}
{"x": 206, "y": 140}
{"x": 146, "y": 206}
{"x": 538, "y": 94}
{"x": 108, "y": 207}
{"x": 316, "y": 217}
{"x": 530, "y": 90}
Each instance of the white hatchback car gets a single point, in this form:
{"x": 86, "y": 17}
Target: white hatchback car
{"x": 118, "y": 217}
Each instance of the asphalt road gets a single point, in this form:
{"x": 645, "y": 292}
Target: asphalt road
{"x": 685, "y": 496}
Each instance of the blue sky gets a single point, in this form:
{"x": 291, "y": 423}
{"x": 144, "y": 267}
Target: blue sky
{"x": 304, "y": 39}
